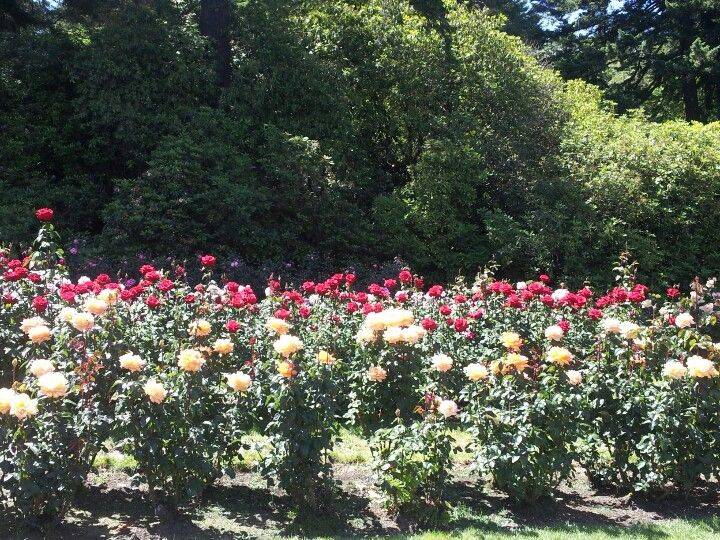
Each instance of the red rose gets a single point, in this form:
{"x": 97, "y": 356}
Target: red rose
{"x": 189, "y": 298}
{"x": 564, "y": 324}
{"x": 350, "y": 278}
{"x": 401, "y": 296}
{"x": 461, "y": 324}
{"x": 673, "y": 292}
{"x": 405, "y": 276}
{"x": 544, "y": 278}
{"x": 595, "y": 314}
{"x": 232, "y": 286}
{"x": 44, "y": 214}
{"x": 165, "y": 285}
{"x": 428, "y": 324}
{"x": 40, "y": 303}
{"x": 145, "y": 268}
{"x": 232, "y": 326}
{"x": 351, "y": 307}
{"x": 282, "y": 313}
{"x": 445, "y": 310}
{"x": 304, "y": 311}
{"x": 208, "y": 261}
{"x": 435, "y": 291}
{"x": 152, "y": 301}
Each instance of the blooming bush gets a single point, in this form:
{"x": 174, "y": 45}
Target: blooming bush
{"x": 625, "y": 383}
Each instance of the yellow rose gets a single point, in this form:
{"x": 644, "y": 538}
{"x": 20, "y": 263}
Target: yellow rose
{"x": 476, "y": 372}
{"x": 326, "y": 358}
{"x": 39, "y": 334}
{"x": 223, "y": 346}
{"x": 23, "y": 406}
{"x": 396, "y": 317}
{"x": 394, "y": 335}
{"x": 28, "y": 324}
{"x": 287, "y": 345}
{"x": 190, "y": 360}
{"x": 674, "y": 370}
{"x": 365, "y": 335}
{"x": 559, "y": 355}
{"x": 6, "y": 397}
{"x": 629, "y": 330}
{"x": 83, "y": 321}
{"x": 53, "y": 384}
{"x": 375, "y": 321}
{"x": 516, "y": 361}
{"x": 67, "y": 314}
{"x": 700, "y": 367}
{"x": 611, "y": 326}
{"x": 131, "y": 362}
{"x": 109, "y": 296}
{"x": 40, "y": 367}
{"x": 496, "y": 367}
{"x": 200, "y": 328}
{"x": 574, "y": 377}
{"x": 413, "y": 333}
{"x": 511, "y": 340}
{"x": 279, "y": 326}
{"x": 96, "y": 306}
{"x": 376, "y": 374}
{"x": 155, "y": 391}
{"x": 238, "y": 381}
{"x": 286, "y": 369}
{"x": 442, "y": 362}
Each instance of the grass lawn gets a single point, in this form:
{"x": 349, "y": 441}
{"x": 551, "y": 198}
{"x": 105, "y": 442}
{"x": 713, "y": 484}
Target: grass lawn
{"x": 243, "y": 507}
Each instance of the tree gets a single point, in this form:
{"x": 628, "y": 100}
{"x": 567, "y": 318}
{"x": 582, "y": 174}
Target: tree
{"x": 662, "y": 54}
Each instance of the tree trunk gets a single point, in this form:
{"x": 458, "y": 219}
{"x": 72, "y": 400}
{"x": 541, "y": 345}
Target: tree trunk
{"x": 690, "y": 97}
{"x": 214, "y": 24}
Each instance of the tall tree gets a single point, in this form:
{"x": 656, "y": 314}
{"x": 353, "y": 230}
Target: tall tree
{"x": 659, "y": 53}
{"x": 214, "y": 24}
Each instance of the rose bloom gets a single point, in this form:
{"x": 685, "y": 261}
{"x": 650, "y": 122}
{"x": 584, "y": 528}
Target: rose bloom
{"x": 39, "y": 334}
{"x": 517, "y": 361}
{"x": 286, "y": 369}
{"x": 448, "y": 408}
{"x": 511, "y": 340}
{"x": 560, "y": 356}
{"x": 223, "y": 346}
{"x": 376, "y": 374}
{"x": 574, "y": 377}
{"x": 155, "y": 391}
{"x": 44, "y": 214}
{"x": 40, "y": 367}
{"x": 131, "y": 362}
{"x": 413, "y": 333}
{"x": 629, "y": 330}
{"x": 326, "y": 358}
{"x": 6, "y": 397}
{"x": 374, "y": 321}
{"x": 238, "y": 381}
{"x": 397, "y": 317}
{"x": 674, "y": 370}
{"x": 700, "y": 367}
{"x": 67, "y": 314}
{"x": 683, "y": 320}
{"x": 190, "y": 360}
{"x": 200, "y": 328}
{"x": 476, "y": 372}
{"x": 287, "y": 345}
{"x": 83, "y": 321}
{"x": 279, "y": 326}
{"x": 394, "y": 335}
{"x": 53, "y": 384}
{"x": 611, "y": 326}
{"x": 442, "y": 362}
{"x": 96, "y": 306}
{"x": 554, "y": 332}
{"x": 365, "y": 335}
{"x": 22, "y": 406}
{"x": 28, "y": 324}
{"x": 109, "y": 296}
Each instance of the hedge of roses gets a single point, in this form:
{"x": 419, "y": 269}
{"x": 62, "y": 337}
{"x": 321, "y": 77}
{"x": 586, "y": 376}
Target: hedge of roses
{"x": 624, "y": 383}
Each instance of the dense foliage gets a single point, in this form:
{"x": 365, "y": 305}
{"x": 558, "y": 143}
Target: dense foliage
{"x": 340, "y": 132}
{"x": 625, "y": 383}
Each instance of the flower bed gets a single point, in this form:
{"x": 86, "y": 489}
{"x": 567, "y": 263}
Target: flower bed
{"x": 625, "y": 382}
